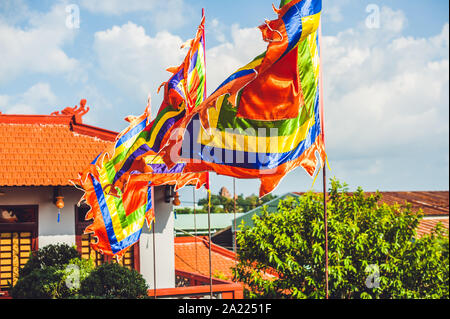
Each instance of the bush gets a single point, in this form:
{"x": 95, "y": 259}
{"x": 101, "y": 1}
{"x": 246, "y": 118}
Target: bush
{"x": 47, "y": 275}
{"x": 38, "y": 284}
{"x": 112, "y": 280}
{"x": 57, "y": 255}
{"x": 58, "y": 271}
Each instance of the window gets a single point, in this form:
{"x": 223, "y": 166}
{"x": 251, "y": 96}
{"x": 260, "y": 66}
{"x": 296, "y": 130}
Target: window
{"x": 129, "y": 260}
{"x": 18, "y": 238}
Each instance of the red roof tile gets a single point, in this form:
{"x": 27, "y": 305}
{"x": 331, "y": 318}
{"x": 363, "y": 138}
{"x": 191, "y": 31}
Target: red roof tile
{"x": 192, "y": 255}
{"x": 427, "y": 225}
{"x": 432, "y": 203}
{"x": 48, "y": 150}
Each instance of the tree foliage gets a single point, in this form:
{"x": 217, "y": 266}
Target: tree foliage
{"x": 58, "y": 271}
{"x": 374, "y": 251}
{"x": 112, "y": 280}
{"x": 222, "y": 204}
{"x": 57, "y": 255}
{"x": 48, "y": 271}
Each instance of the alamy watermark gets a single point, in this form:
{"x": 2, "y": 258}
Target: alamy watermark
{"x": 373, "y": 19}
{"x": 73, "y": 276}
{"x": 373, "y": 280}
{"x": 72, "y": 16}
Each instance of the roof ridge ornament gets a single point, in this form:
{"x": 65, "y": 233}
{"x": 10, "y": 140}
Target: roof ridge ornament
{"x": 76, "y": 111}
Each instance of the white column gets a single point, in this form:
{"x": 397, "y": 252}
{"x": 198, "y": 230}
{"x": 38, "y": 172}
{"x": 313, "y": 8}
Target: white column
{"x": 164, "y": 245}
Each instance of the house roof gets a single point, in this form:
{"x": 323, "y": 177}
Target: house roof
{"x": 192, "y": 255}
{"x": 48, "y": 150}
{"x": 427, "y": 225}
{"x": 272, "y": 206}
{"x": 434, "y": 204}
{"x": 190, "y": 222}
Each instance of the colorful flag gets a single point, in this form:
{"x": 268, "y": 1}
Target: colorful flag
{"x": 118, "y": 217}
{"x": 184, "y": 91}
{"x": 117, "y": 183}
{"x": 264, "y": 120}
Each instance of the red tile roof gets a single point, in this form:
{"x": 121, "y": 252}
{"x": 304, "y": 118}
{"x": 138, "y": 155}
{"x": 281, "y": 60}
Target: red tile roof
{"x": 432, "y": 203}
{"x": 426, "y": 225}
{"x": 192, "y": 255}
{"x": 48, "y": 150}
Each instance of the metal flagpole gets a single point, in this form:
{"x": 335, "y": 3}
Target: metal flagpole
{"x": 154, "y": 260}
{"x": 234, "y": 235}
{"x": 209, "y": 192}
{"x": 209, "y": 242}
{"x": 195, "y": 228}
{"x": 325, "y": 220}
{"x": 325, "y": 215}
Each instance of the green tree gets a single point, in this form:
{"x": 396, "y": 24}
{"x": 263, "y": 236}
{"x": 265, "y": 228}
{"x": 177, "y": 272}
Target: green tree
{"x": 221, "y": 204}
{"x": 374, "y": 251}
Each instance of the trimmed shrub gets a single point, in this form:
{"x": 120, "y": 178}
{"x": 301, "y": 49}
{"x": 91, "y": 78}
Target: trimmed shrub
{"x": 55, "y": 271}
{"x": 112, "y": 280}
{"x": 38, "y": 284}
{"x": 57, "y": 255}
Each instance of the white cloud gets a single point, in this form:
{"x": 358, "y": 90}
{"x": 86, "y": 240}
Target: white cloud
{"x": 38, "y": 97}
{"x": 134, "y": 61}
{"x": 392, "y": 20}
{"x": 333, "y": 10}
{"x": 37, "y": 47}
{"x": 226, "y": 58}
{"x": 386, "y": 96}
{"x": 217, "y": 30}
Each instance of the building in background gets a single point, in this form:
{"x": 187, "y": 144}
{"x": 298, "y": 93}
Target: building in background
{"x": 434, "y": 204}
{"x": 39, "y": 155}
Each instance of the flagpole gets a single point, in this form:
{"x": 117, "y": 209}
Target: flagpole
{"x": 325, "y": 220}
{"x": 234, "y": 213}
{"x": 209, "y": 242}
{"x": 154, "y": 260}
{"x": 195, "y": 228}
{"x": 208, "y": 187}
{"x": 325, "y": 214}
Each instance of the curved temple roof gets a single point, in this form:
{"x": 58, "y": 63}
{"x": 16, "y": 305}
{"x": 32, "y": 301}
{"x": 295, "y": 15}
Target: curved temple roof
{"x": 48, "y": 150}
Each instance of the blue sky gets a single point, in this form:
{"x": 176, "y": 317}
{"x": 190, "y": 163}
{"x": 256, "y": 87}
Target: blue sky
{"x": 386, "y": 84}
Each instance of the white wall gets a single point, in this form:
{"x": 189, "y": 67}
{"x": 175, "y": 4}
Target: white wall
{"x": 49, "y": 230}
{"x": 164, "y": 245}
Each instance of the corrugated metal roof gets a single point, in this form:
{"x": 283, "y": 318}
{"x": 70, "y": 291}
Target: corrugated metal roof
{"x": 272, "y": 207}
{"x": 187, "y": 222}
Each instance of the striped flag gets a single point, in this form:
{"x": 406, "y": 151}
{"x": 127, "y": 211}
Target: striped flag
{"x": 265, "y": 119}
{"x": 184, "y": 91}
{"x": 118, "y": 184}
{"x": 118, "y": 217}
